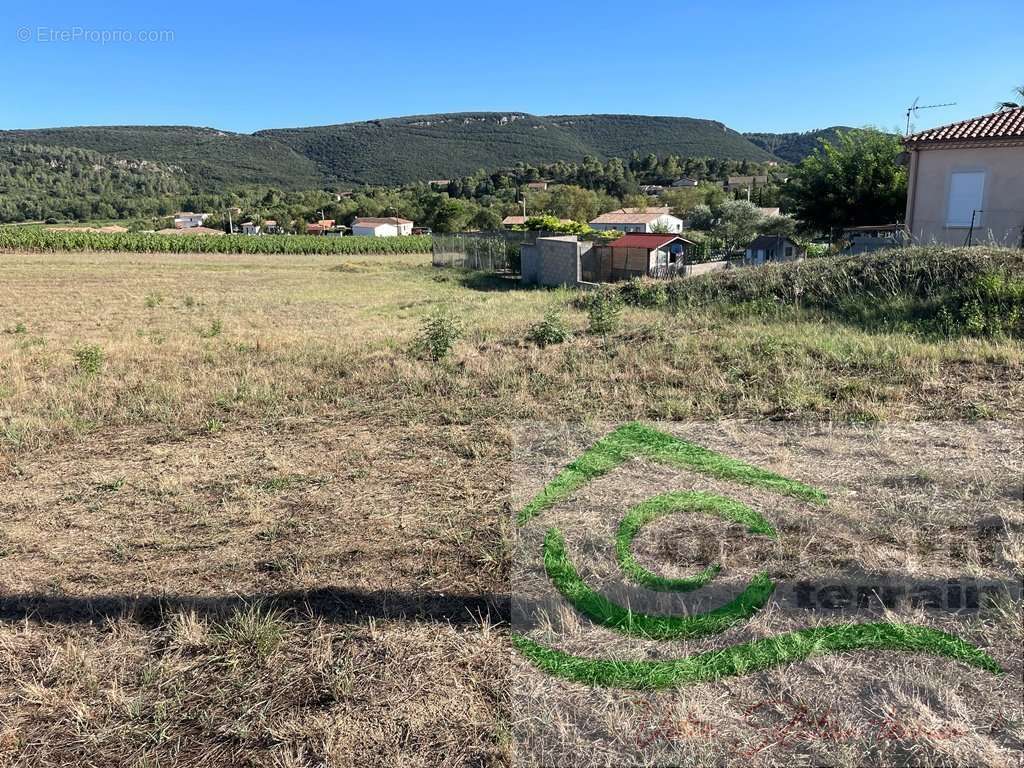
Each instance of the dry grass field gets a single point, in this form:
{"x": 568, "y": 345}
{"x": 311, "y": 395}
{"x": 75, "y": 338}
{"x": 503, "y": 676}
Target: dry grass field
{"x": 242, "y": 524}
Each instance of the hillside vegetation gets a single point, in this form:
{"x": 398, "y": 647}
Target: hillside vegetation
{"x": 794, "y": 147}
{"x": 39, "y": 181}
{"x": 398, "y": 150}
{"x": 212, "y": 159}
{"x": 441, "y": 146}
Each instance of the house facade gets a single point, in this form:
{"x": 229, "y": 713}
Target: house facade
{"x": 187, "y": 219}
{"x": 633, "y": 220}
{"x": 389, "y": 226}
{"x": 766, "y": 249}
{"x": 966, "y": 181}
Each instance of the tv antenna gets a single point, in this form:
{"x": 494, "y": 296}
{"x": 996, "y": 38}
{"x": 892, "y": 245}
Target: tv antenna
{"x": 914, "y": 108}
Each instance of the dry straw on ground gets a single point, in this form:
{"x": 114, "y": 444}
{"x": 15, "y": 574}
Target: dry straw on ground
{"x": 257, "y": 531}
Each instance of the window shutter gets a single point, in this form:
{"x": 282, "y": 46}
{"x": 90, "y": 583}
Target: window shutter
{"x": 966, "y": 192}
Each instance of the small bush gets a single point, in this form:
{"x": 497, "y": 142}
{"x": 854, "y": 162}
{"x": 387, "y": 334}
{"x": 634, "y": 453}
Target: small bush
{"x": 644, "y": 293}
{"x": 17, "y": 328}
{"x": 154, "y": 300}
{"x": 604, "y": 307}
{"x": 89, "y": 359}
{"x": 438, "y": 334}
{"x": 551, "y": 330}
{"x": 215, "y": 329}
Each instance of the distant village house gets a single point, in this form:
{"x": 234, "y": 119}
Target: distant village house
{"x": 635, "y": 220}
{"x": 187, "y": 219}
{"x": 388, "y": 226}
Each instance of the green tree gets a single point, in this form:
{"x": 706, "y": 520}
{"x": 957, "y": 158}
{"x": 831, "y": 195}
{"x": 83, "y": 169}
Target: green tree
{"x": 1019, "y": 91}
{"x": 855, "y": 181}
{"x": 737, "y": 224}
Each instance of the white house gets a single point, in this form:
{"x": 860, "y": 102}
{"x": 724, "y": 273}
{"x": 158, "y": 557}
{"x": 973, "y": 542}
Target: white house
{"x": 389, "y": 226}
{"x": 187, "y": 219}
{"x": 636, "y": 220}
{"x": 248, "y": 228}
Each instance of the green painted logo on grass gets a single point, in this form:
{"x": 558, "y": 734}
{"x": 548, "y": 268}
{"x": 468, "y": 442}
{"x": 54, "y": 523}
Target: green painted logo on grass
{"x": 637, "y": 440}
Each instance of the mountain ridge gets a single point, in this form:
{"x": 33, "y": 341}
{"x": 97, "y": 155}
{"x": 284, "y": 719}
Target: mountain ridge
{"x": 411, "y": 148}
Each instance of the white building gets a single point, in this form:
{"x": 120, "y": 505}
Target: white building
{"x": 248, "y": 228}
{"x": 187, "y": 219}
{"x": 635, "y": 220}
{"x": 389, "y": 226}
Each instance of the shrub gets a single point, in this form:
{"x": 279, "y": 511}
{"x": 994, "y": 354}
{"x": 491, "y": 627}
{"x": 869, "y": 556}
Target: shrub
{"x": 154, "y": 300}
{"x": 438, "y": 333}
{"x": 89, "y": 359}
{"x": 551, "y": 330}
{"x": 215, "y": 329}
{"x": 604, "y": 307}
{"x": 644, "y": 293}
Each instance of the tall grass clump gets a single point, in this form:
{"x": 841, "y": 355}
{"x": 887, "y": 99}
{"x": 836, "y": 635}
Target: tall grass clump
{"x": 549, "y": 330}
{"x": 438, "y": 333}
{"x": 89, "y": 359}
{"x": 604, "y": 310}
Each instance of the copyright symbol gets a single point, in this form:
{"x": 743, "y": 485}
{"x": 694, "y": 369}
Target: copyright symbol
{"x": 24, "y": 34}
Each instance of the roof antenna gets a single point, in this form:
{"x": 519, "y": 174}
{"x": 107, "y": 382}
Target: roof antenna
{"x": 915, "y": 107}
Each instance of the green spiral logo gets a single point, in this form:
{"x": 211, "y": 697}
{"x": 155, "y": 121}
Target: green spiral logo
{"x": 638, "y": 440}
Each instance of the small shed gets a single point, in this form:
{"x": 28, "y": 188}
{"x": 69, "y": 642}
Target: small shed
{"x": 767, "y": 248}
{"x": 649, "y": 253}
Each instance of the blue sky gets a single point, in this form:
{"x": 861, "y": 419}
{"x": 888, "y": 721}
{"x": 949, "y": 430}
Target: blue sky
{"x": 753, "y": 65}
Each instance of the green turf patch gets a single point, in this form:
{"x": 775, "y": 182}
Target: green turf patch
{"x": 603, "y": 611}
{"x": 669, "y": 503}
{"x": 636, "y": 439}
{"x": 754, "y": 656}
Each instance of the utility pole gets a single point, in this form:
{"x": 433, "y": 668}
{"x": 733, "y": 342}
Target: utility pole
{"x": 231, "y": 226}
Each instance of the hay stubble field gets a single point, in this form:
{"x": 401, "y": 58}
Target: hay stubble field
{"x": 242, "y": 524}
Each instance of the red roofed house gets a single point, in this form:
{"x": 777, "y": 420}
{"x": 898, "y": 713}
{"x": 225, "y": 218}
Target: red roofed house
{"x": 648, "y": 254}
{"x": 966, "y": 181}
{"x": 319, "y": 227}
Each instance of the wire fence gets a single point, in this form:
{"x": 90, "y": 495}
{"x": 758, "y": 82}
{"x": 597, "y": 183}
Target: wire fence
{"x": 482, "y": 251}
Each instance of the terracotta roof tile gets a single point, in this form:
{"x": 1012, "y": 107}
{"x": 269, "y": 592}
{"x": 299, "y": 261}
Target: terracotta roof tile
{"x": 647, "y": 240}
{"x": 1006, "y": 124}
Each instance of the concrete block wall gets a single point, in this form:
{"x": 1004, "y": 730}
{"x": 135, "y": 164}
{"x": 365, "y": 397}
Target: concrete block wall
{"x": 553, "y": 261}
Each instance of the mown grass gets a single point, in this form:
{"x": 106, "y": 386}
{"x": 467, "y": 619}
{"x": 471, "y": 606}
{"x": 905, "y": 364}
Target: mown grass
{"x": 753, "y": 656}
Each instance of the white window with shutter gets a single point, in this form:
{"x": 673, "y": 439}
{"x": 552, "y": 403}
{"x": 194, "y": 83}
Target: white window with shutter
{"x": 966, "y": 193}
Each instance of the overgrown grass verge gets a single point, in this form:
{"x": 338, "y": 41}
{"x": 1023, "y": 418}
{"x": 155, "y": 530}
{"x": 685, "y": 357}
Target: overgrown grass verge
{"x": 935, "y": 292}
{"x": 753, "y": 656}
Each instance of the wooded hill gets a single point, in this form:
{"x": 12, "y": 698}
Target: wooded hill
{"x": 409, "y": 149}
